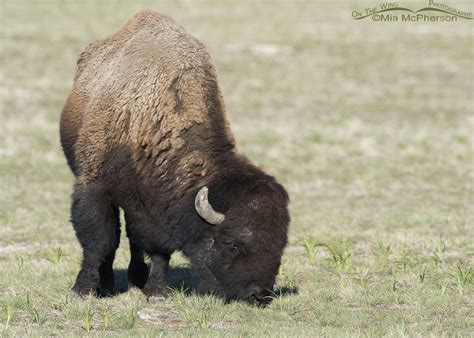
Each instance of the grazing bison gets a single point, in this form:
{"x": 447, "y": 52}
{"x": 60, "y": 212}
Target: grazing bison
{"x": 144, "y": 129}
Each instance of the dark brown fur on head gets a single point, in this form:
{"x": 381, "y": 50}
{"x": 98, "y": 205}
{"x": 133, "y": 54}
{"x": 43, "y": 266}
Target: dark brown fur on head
{"x": 144, "y": 129}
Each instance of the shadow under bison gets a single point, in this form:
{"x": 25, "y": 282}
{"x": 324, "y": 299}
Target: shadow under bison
{"x": 186, "y": 279}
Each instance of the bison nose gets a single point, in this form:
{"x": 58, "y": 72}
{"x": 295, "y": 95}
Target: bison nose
{"x": 259, "y": 296}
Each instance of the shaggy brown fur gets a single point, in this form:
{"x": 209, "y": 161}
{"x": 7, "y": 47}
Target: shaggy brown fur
{"x": 150, "y": 87}
{"x": 143, "y": 129}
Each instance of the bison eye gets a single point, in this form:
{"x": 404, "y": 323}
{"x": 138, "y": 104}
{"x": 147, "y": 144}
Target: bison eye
{"x": 232, "y": 246}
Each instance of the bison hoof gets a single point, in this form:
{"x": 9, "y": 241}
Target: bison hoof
{"x": 136, "y": 283}
{"x": 83, "y": 292}
{"x": 105, "y": 292}
{"x": 156, "y": 299}
{"x": 157, "y": 295}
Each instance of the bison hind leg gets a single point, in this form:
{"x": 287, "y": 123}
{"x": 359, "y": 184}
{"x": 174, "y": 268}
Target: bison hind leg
{"x": 97, "y": 226}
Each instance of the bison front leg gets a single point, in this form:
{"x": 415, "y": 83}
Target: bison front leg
{"x": 96, "y": 222}
{"x": 156, "y": 287}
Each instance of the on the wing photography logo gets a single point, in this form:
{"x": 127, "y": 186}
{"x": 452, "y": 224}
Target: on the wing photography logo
{"x": 392, "y": 11}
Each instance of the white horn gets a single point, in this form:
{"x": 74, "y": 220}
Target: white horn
{"x": 204, "y": 208}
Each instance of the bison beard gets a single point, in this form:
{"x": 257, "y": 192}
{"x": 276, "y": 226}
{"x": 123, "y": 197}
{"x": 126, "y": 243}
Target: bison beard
{"x": 144, "y": 129}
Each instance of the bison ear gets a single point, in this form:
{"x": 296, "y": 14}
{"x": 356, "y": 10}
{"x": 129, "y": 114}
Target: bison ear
{"x": 204, "y": 208}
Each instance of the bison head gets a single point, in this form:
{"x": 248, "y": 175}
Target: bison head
{"x": 240, "y": 253}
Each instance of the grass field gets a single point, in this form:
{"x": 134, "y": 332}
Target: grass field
{"x": 369, "y": 125}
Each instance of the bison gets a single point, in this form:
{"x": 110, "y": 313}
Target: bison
{"x": 144, "y": 129}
